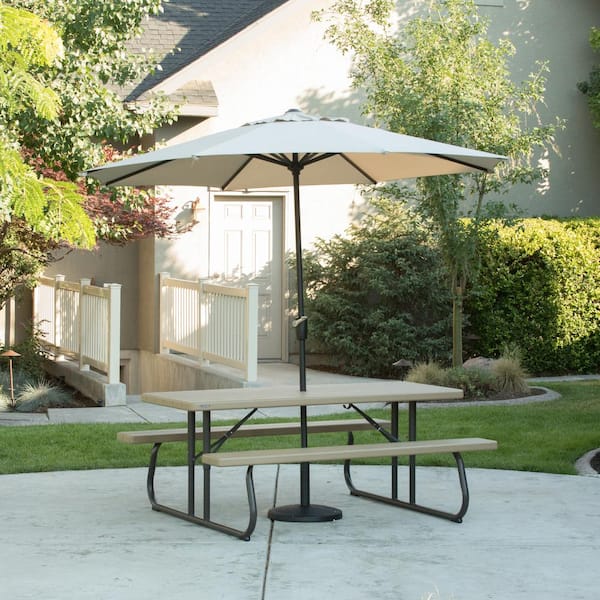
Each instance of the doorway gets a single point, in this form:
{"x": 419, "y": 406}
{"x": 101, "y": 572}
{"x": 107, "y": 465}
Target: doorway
{"x": 246, "y": 246}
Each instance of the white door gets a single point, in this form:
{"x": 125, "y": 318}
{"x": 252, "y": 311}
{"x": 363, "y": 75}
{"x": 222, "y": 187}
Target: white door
{"x": 247, "y": 247}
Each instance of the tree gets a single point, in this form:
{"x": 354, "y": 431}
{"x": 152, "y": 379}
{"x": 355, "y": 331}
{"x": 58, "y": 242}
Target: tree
{"x": 36, "y": 213}
{"x": 93, "y": 67}
{"x": 591, "y": 88}
{"x": 439, "y": 77}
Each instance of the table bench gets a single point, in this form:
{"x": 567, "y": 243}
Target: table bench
{"x": 250, "y": 458}
{"x": 222, "y": 433}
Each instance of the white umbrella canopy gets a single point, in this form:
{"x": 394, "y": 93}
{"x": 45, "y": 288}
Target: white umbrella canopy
{"x": 290, "y": 150}
{"x": 261, "y": 155}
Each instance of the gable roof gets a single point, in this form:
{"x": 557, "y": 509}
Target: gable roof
{"x": 188, "y": 29}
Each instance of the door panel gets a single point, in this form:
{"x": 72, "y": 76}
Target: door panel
{"x": 247, "y": 247}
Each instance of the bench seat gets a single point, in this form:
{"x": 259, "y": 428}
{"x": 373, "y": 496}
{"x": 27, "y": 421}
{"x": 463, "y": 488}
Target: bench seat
{"x": 156, "y": 436}
{"x": 251, "y": 458}
{"x": 326, "y": 453}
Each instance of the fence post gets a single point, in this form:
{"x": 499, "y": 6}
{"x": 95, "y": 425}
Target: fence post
{"x": 82, "y": 331}
{"x": 201, "y": 319}
{"x": 114, "y": 332}
{"x": 162, "y": 309}
{"x": 252, "y": 333}
{"x": 57, "y": 318}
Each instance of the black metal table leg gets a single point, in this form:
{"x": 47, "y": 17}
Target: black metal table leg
{"x": 191, "y": 460}
{"x": 394, "y": 425}
{"x": 412, "y": 436}
{"x": 206, "y": 448}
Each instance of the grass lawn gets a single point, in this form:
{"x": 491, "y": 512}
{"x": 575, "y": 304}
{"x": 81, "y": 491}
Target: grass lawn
{"x": 546, "y": 436}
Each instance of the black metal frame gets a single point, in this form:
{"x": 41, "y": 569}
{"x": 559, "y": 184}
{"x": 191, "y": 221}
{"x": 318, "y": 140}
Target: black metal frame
{"x": 393, "y": 499}
{"x": 411, "y": 504}
{"x": 190, "y": 515}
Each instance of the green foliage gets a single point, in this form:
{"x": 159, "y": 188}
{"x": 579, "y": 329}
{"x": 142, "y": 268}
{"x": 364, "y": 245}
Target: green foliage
{"x": 36, "y": 212}
{"x": 475, "y": 383}
{"x": 60, "y": 63}
{"x": 377, "y": 295}
{"x": 26, "y": 42}
{"x": 31, "y": 393}
{"x": 539, "y": 288}
{"x": 33, "y": 354}
{"x": 591, "y": 88}
{"x": 95, "y": 63}
{"x": 440, "y": 77}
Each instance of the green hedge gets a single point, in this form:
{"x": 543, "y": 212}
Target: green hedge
{"x": 539, "y": 289}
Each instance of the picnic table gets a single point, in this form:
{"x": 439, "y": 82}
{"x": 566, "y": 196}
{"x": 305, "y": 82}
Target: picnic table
{"x": 389, "y": 393}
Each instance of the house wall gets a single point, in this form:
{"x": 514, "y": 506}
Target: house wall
{"x": 557, "y": 32}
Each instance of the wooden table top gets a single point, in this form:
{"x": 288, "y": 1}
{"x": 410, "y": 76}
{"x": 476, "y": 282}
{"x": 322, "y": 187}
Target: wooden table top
{"x": 282, "y": 396}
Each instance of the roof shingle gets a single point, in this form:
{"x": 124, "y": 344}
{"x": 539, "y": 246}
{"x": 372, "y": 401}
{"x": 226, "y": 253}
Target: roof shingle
{"x": 188, "y": 29}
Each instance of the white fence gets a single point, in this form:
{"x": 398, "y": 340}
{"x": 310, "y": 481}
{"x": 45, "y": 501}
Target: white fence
{"x": 210, "y": 322}
{"x": 81, "y": 321}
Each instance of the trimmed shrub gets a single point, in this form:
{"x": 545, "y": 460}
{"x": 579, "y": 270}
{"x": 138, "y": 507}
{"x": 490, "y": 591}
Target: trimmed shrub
{"x": 378, "y": 295}
{"x": 539, "y": 288}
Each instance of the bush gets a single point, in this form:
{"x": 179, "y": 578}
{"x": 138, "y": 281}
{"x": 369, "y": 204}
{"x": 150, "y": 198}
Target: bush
{"x": 539, "y": 287}
{"x": 509, "y": 378}
{"x": 378, "y": 295}
{"x": 41, "y": 395}
{"x": 429, "y": 372}
{"x": 504, "y": 379}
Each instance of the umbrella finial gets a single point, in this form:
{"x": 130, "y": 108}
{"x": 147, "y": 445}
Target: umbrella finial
{"x": 295, "y": 114}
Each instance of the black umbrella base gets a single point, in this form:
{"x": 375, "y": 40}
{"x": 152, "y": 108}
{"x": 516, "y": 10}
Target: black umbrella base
{"x": 312, "y": 513}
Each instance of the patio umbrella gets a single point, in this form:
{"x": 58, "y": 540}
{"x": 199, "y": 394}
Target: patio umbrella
{"x": 288, "y": 151}
{"x": 291, "y": 150}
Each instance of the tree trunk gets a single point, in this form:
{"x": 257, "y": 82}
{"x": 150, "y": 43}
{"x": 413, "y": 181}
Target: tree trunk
{"x": 457, "y": 319}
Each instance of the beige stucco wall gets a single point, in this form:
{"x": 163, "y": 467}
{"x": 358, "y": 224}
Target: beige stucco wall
{"x": 557, "y": 32}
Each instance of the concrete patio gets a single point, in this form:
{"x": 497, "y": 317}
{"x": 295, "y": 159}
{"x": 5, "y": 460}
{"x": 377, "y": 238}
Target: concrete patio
{"x": 92, "y": 534}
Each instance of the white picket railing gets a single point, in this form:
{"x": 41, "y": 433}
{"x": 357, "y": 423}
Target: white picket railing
{"x": 210, "y": 322}
{"x": 81, "y": 321}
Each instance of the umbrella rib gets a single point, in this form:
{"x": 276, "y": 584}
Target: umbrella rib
{"x": 462, "y": 162}
{"x": 361, "y": 171}
{"x": 313, "y": 157}
{"x": 137, "y": 172}
{"x": 276, "y": 159}
{"x": 237, "y": 172}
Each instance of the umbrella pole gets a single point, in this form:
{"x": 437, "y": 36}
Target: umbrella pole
{"x": 301, "y": 331}
{"x": 301, "y": 324}
{"x": 305, "y": 511}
